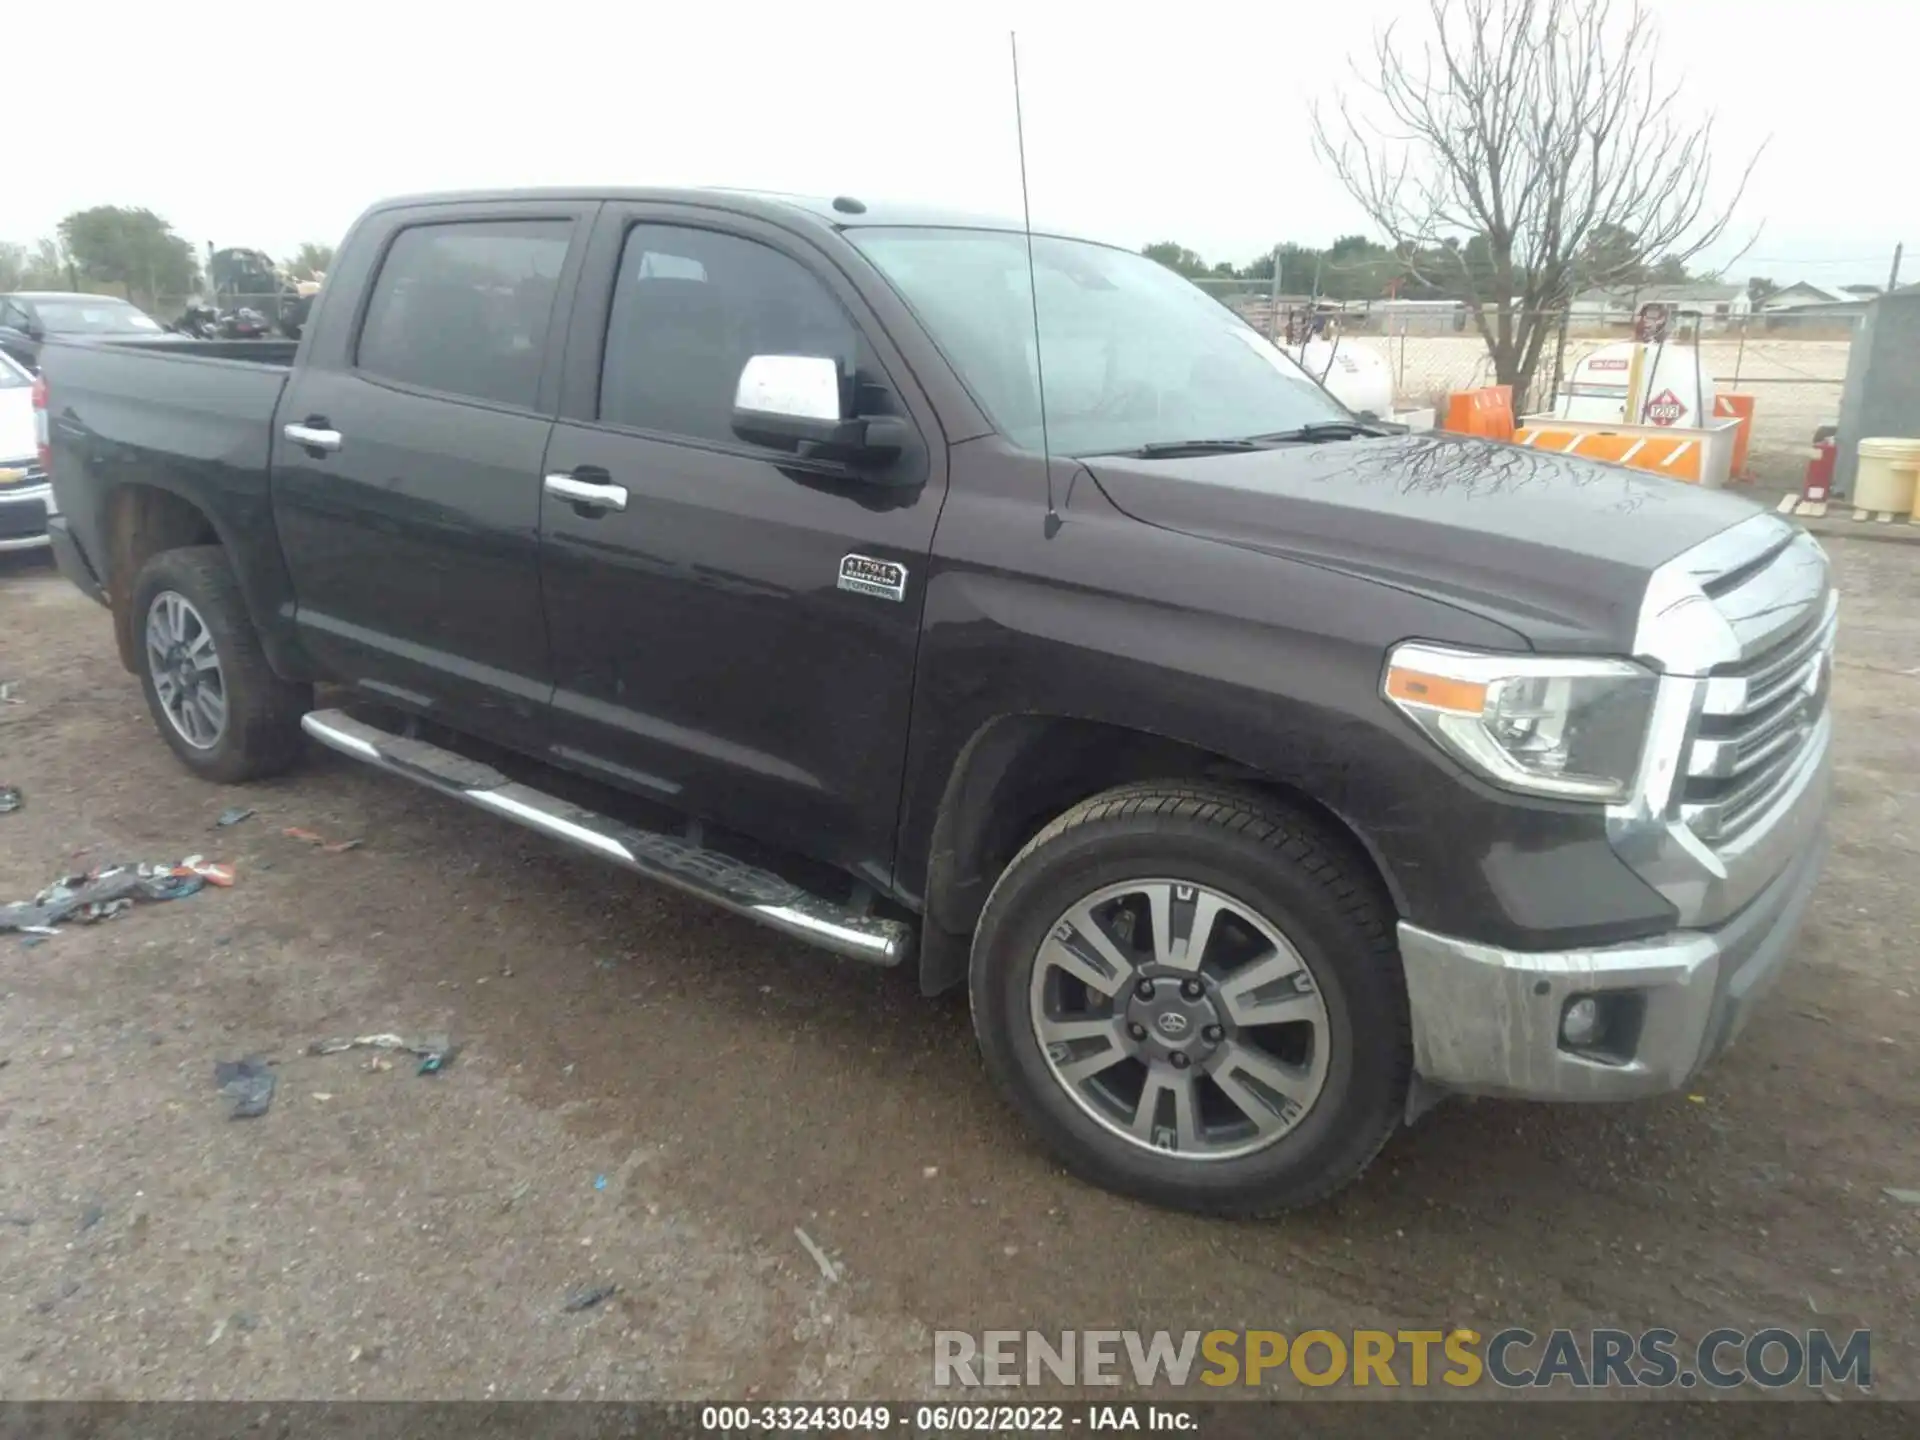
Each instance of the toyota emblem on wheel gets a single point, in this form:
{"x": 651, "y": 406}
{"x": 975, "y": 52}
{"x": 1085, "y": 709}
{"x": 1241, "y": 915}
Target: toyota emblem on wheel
{"x": 1172, "y": 1024}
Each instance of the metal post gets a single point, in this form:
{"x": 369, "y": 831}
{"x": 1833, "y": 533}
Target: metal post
{"x": 1273, "y": 300}
{"x": 1893, "y": 280}
{"x": 1560, "y": 353}
{"x": 1741, "y": 353}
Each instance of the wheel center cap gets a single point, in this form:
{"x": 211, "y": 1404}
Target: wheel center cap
{"x": 1174, "y": 1021}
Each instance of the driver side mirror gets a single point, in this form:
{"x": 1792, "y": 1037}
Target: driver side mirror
{"x": 794, "y": 402}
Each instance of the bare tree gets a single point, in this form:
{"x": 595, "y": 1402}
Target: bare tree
{"x": 1524, "y": 149}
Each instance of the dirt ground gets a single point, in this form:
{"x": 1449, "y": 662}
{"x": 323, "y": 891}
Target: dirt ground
{"x": 652, "y": 1095}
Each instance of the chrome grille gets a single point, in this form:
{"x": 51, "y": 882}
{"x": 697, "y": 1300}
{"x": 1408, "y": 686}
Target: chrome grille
{"x": 1758, "y": 715}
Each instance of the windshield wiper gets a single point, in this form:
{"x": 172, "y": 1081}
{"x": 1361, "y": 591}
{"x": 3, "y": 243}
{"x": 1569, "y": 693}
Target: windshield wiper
{"x": 1330, "y": 430}
{"x": 1168, "y": 449}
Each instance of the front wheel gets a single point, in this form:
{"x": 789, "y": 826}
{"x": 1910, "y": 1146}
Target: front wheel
{"x": 1194, "y": 997}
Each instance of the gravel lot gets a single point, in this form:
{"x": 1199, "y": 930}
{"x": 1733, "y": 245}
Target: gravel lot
{"x": 652, "y": 1095}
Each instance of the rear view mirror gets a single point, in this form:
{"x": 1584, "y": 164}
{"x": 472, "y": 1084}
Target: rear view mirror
{"x": 793, "y": 402}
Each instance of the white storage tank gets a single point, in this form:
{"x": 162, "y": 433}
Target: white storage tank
{"x": 1359, "y": 378}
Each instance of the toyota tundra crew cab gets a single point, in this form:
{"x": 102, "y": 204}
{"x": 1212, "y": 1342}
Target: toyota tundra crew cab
{"x": 1262, "y": 773}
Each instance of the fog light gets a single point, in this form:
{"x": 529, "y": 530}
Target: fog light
{"x": 1580, "y": 1025}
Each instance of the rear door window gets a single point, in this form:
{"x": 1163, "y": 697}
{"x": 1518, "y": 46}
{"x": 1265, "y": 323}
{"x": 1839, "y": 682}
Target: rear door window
{"x": 463, "y": 308}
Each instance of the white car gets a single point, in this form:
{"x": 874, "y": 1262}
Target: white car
{"x": 24, "y": 490}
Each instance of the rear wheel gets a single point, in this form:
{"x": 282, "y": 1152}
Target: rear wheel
{"x": 214, "y": 698}
{"x": 1193, "y": 997}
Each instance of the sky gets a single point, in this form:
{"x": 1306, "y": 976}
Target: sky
{"x": 1137, "y": 129}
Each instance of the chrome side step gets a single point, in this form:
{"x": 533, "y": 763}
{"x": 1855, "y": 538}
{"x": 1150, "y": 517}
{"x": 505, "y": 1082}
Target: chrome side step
{"x": 731, "y": 884}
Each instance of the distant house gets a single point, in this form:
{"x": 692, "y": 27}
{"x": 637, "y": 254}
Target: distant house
{"x": 1716, "y": 303}
{"x": 1803, "y": 293}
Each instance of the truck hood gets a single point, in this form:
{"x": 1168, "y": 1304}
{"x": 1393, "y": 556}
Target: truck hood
{"x": 1556, "y": 548}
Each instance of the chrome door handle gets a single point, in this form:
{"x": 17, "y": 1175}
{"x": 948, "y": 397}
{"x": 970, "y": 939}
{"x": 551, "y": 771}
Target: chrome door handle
{"x": 311, "y": 437}
{"x": 585, "y": 492}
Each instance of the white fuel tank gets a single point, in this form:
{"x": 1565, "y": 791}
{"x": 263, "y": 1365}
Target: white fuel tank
{"x": 1359, "y": 378}
{"x": 1659, "y": 384}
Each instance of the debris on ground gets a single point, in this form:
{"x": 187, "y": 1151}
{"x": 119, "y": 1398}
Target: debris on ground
{"x": 233, "y": 816}
{"x": 1905, "y": 1197}
{"x": 588, "y": 1298}
{"x": 209, "y": 871}
{"x": 7, "y": 697}
{"x": 105, "y": 891}
{"x": 247, "y": 1083}
{"x": 91, "y": 1216}
{"x": 10, "y": 799}
{"x": 320, "y": 842}
{"x": 827, "y": 1267}
{"x": 435, "y": 1051}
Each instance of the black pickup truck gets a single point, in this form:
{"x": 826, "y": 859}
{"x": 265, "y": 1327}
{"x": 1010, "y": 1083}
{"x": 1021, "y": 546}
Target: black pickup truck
{"x": 1263, "y": 773}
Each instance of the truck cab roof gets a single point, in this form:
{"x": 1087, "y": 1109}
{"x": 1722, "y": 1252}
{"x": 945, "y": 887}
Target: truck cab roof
{"x": 842, "y": 212}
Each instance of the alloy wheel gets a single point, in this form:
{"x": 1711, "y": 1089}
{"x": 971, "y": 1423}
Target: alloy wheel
{"x": 185, "y": 668}
{"x": 1180, "y": 1019}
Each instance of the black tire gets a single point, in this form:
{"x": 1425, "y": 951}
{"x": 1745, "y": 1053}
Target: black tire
{"x": 261, "y": 736}
{"x": 1309, "y": 884}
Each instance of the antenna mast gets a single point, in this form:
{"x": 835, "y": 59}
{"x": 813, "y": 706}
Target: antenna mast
{"x": 1033, "y": 287}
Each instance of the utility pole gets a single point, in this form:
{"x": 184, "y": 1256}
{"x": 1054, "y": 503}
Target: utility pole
{"x": 1273, "y": 300}
{"x": 1893, "y": 280}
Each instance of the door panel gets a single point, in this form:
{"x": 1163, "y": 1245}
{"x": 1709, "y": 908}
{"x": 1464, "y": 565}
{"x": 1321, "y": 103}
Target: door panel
{"x": 414, "y": 545}
{"x": 703, "y": 651}
{"x": 414, "y": 551}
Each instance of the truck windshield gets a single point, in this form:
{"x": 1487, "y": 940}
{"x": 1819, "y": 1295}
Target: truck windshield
{"x": 92, "y": 316}
{"x": 1133, "y": 355}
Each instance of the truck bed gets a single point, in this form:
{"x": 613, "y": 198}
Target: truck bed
{"x": 171, "y": 398}
{"x": 190, "y": 417}
{"x": 273, "y": 354}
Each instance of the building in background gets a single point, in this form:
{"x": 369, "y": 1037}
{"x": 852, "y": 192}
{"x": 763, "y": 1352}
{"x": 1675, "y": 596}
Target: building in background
{"x": 1718, "y": 304}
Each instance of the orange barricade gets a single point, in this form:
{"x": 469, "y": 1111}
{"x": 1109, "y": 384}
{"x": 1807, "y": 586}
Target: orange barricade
{"x": 1676, "y": 457}
{"x": 1737, "y": 407}
{"x": 1486, "y": 412}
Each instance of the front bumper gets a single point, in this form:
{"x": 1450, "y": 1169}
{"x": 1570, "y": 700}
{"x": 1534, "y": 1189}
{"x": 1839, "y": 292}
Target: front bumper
{"x": 1487, "y": 1021}
{"x": 23, "y": 516}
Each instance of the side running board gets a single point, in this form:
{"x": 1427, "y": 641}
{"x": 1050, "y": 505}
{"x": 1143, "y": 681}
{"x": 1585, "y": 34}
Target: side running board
{"x": 731, "y": 884}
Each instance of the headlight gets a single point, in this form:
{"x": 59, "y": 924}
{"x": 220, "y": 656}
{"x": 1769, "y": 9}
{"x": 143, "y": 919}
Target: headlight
{"x": 1563, "y": 726}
